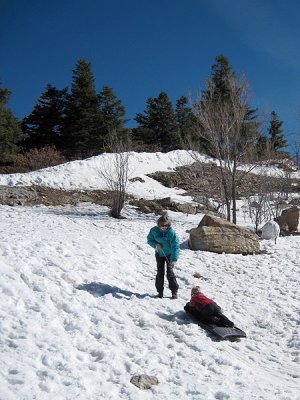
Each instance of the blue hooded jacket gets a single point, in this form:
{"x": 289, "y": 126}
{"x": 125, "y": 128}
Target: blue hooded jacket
{"x": 168, "y": 240}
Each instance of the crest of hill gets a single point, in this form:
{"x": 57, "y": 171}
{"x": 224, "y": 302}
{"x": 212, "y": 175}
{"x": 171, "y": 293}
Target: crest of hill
{"x": 79, "y": 181}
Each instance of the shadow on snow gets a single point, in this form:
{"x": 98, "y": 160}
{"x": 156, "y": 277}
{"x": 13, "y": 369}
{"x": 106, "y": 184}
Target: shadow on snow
{"x": 99, "y": 289}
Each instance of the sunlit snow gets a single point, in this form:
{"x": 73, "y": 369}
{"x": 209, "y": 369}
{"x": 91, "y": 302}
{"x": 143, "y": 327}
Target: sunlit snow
{"x": 79, "y": 317}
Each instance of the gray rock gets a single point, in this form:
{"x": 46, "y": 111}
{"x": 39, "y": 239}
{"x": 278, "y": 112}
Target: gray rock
{"x": 186, "y": 208}
{"x": 144, "y": 381}
{"x": 137, "y": 179}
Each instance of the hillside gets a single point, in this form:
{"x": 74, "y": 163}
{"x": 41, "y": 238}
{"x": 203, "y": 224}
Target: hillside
{"x": 198, "y": 182}
{"x": 79, "y": 317}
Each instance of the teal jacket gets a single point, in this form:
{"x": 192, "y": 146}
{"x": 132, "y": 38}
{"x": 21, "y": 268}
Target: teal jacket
{"x": 168, "y": 240}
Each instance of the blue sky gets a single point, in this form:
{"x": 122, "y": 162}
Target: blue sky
{"x": 143, "y": 47}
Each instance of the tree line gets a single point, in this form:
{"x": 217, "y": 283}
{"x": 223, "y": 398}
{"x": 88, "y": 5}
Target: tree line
{"x": 78, "y": 122}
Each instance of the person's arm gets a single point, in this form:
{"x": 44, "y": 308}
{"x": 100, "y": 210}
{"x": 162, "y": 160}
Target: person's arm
{"x": 175, "y": 247}
{"x": 150, "y": 240}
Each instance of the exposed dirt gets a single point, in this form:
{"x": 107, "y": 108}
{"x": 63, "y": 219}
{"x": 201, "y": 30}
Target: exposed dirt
{"x": 201, "y": 181}
{"x": 34, "y": 195}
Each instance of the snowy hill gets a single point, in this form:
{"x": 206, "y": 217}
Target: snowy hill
{"x": 85, "y": 174}
{"x": 79, "y": 317}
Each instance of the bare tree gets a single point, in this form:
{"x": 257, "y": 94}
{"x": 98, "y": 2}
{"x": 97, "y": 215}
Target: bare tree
{"x": 270, "y": 197}
{"x": 116, "y": 175}
{"x": 223, "y": 126}
{"x": 296, "y": 143}
{"x": 261, "y": 205}
{"x": 296, "y": 146}
{"x": 296, "y": 149}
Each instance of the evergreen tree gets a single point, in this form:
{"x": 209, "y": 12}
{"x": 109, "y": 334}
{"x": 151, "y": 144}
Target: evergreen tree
{"x": 229, "y": 126}
{"x": 261, "y": 145}
{"x": 250, "y": 133}
{"x": 222, "y": 81}
{"x": 277, "y": 139}
{"x": 43, "y": 126}
{"x": 10, "y": 129}
{"x": 82, "y": 117}
{"x": 111, "y": 116}
{"x": 4, "y": 95}
{"x": 183, "y": 116}
{"x": 187, "y": 123}
{"x": 221, "y": 75}
{"x": 158, "y": 123}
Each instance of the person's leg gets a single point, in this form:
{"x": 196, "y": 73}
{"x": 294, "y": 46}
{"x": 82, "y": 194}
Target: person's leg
{"x": 173, "y": 285}
{"x": 159, "y": 280}
{"x": 208, "y": 315}
{"x": 223, "y": 320}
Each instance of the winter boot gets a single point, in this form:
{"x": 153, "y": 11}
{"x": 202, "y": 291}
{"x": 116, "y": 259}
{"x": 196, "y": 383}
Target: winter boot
{"x": 160, "y": 295}
{"x": 174, "y": 295}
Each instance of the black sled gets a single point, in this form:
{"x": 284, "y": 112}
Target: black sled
{"x": 221, "y": 332}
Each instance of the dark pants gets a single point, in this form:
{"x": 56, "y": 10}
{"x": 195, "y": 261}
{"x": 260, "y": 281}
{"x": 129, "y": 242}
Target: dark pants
{"x": 210, "y": 314}
{"x": 159, "y": 280}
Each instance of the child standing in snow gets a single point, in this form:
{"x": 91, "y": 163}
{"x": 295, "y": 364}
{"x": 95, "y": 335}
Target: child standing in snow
{"x": 206, "y": 310}
{"x": 166, "y": 243}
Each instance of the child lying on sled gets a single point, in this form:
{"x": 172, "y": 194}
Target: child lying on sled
{"x": 206, "y": 310}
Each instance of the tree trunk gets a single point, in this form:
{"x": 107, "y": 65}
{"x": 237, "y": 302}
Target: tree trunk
{"x": 226, "y": 193}
{"x": 233, "y": 193}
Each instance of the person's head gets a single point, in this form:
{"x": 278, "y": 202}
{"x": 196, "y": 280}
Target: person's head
{"x": 196, "y": 290}
{"x": 164, "y": 222}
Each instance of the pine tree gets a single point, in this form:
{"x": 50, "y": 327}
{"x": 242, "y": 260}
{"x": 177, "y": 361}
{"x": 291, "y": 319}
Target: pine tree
{"x": 277, "y": 139}
{"x": 187, "y": 123}
{"x": 250, "y": 132}
{"x": 229, "y": 126}
{"x": 221, "y": 75}
{"x": 82, "y": 117}
{"x": 4, "y": 95}
{"x": 158, "y": 123}
{"x": 111, "y": 116}
{"x": 43, "y": 126}
{"x": 261, "y": 145}
{"x": 10, "y": 129}
{"x": 183, "y": 116}
{"x": 222, "y": 81}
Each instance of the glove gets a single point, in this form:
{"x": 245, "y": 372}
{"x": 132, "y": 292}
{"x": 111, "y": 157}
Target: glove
{"x": 172, "y": 264}
{"x": 158, "y": 246}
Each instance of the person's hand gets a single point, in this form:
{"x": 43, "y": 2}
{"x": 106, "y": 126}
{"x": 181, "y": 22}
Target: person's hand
{"x": 158, "y": 246}
{"x": 172, "y": 264}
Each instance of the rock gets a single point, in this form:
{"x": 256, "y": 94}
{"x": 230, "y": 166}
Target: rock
{"x": 166, "y": 202}
{"x": 186, "y": 208}
{"x": 289, "y": 220}
{"x": 137, "y": 179}
{"x": 220, "y": 236}
{"x": 295, "y": 202}
{"x": 144, "y": 381}
{"x": 199, "y": 276}
{"x": 270, "y": 230}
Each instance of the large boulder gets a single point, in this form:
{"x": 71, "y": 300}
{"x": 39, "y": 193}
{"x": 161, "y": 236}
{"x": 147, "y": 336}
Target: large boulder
{"x": 289, "y": 220}
{"x": 220, "y": 236}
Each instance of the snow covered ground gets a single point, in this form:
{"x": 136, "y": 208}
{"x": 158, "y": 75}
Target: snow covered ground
{"x": 84, "y": 174}
{"x": 78, "y": 315}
